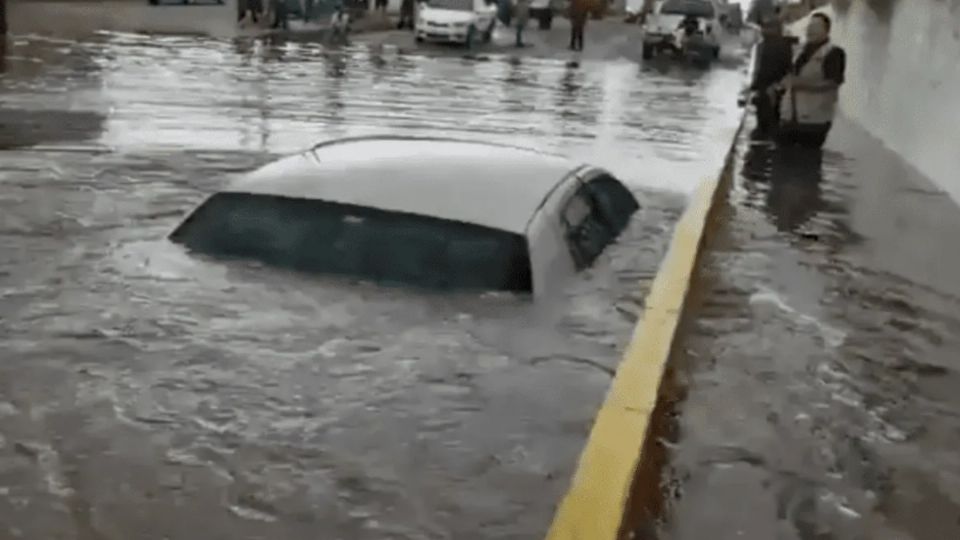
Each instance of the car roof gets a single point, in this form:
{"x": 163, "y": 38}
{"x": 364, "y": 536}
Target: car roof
{"x": 492, "y": 185}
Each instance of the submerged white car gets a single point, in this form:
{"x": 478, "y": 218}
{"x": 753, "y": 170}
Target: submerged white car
{"x": 455, "y": 21}
{"x": 432, "y": 213}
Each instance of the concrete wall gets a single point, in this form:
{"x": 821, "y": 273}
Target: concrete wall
{"x": 903, "y": 79}
{"x": 79, "y": 17}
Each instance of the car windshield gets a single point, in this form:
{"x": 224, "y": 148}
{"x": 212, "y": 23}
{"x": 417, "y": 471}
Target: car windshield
{"x": 458, "y": 5}
{"x": 697, "y": 8}
{"x": 382, "y": 246}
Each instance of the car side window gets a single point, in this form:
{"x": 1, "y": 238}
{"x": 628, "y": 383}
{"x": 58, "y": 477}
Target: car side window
{"x": 585, "y": 229}
{"x": 614, "y": 201}
{"x": 367, "y": 243}
{"x": 594, "y": 216}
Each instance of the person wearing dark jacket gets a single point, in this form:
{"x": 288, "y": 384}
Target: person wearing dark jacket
{"x": 774, "y": 58}
{"x": 579, "y": 12}
{"x": 407, "y": 12}
{"x": 252, "y": 11}
{"x": 280, "y": 15}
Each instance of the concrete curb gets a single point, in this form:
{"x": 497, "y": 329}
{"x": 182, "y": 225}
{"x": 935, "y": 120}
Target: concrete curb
{"x": 598, "y": 502}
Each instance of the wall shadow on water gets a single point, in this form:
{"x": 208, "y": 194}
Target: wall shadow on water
{"x": 24, "y": 128}
{"x": 47, "y": 70}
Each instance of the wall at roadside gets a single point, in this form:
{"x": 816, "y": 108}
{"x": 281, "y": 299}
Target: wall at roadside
{"x": 903, "y": 78}
{"x": 79, "y": 17}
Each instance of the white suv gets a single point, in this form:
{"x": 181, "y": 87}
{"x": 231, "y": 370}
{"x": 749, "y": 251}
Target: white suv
{"x": 662, "y": 27}
{"x": 456, "y": 21}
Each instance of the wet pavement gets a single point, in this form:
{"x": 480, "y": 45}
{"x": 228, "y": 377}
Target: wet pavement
{"x": 148, "y": 393}
{"x": 822, "y": 369}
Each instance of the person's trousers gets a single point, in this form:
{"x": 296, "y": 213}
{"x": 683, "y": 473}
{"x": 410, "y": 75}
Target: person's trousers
{"x": 576, "y": 37}
{"x": 768, "y": 111}
{"x": 519, "y": 35}
{"x": 280, "y": 14}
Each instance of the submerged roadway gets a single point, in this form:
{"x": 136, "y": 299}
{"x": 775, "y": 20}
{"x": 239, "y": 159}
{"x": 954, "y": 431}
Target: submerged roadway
{"x": 149, "y": 393}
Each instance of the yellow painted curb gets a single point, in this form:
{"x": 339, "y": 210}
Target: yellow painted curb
{"x": 597, "y": 501}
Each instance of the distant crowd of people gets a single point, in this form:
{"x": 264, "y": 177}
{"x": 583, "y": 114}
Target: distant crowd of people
{"x": 512, "y": 13}
{"x": 273, "y": 14}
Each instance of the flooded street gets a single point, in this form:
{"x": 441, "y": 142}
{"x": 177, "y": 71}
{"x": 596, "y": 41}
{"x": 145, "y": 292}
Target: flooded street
{"x": 821, "y": 371}
{"x": 153, "y": 394}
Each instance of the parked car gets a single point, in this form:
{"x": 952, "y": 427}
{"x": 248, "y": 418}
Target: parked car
{"x": 543, "y": 11}
{"x": 661, "y": 28}
{"x": 427, "y": 212}
{"x": 455, "y": 21}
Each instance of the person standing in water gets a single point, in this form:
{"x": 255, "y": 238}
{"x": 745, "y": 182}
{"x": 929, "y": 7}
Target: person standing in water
{"x": 407, "y": 11}
{"x": 579, "y": 12}
{"x": 812, "y": 88}
{"x": 774, "y": 59}
{"x": 521, "y": 16}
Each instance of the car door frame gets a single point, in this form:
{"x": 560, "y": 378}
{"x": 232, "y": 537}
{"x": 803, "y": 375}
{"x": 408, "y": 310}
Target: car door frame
{"x": 551, "y": 262}
{"x": 585, "y": 176}
{"x": 551, "y": 259}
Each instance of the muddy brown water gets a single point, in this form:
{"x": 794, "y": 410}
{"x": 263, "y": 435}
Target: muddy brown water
{"x": 149, "y": 393}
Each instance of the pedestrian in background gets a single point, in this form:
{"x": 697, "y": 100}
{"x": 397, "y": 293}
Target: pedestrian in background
{"x": 774, "y": 59}
{"x": 339, "y": 22}
{"x": 812, "y": 88}
{"x": 253, "y": 9}
{"x": 280, "y": 14}
{"x": 761, "y": 10}
{"x": 579, "y": 12}
{"x": 407, "y": 8}
{"x": 521, "y": 16}
{"x": 505, "y": 11}
{"x": 306, "y": 7}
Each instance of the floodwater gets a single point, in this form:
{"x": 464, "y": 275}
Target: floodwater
{"x": 148, "y": 393}
{"x": 822, "y": 370}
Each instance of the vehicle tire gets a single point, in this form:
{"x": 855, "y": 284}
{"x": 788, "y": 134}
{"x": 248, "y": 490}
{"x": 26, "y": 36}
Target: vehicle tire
{"x": 648, "y": 51}
{"x": 471, "y": 37}
{"x": 419, "y": 39}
